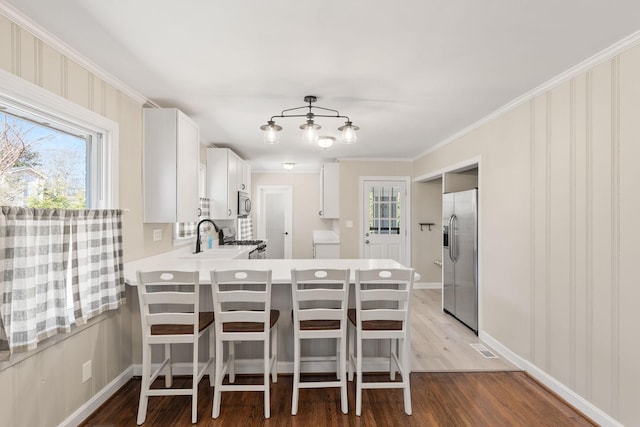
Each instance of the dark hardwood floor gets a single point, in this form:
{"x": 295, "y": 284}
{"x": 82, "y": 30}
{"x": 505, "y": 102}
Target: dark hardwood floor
{"x": 438, "y": 399}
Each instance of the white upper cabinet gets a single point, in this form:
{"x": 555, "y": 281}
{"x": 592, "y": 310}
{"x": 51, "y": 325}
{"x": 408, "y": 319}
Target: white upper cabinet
{"x": 244, "y": 176}
{"x": 330, "y": 191}
{"x": 224, "y": 176}
{"x": 171, "y": 161}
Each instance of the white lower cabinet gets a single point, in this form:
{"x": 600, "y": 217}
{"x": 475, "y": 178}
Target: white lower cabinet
{"x": 326, "y": 251}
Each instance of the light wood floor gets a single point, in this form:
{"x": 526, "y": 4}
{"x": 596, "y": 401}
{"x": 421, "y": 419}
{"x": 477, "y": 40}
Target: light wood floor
{"x": 440, "y": 343}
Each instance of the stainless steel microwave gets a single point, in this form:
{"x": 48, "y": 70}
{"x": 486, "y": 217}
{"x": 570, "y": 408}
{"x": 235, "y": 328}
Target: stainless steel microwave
{"x": 244, "y": 204}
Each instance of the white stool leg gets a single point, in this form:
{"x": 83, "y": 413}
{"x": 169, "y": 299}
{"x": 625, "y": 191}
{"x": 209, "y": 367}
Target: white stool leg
{"x": 351, "y": 354}
{"x": 212, "y": 352}
{"x": 217, "y": 394}
{"x": 406, "y": 373}
{"x": 144, "y": 388}
{"x": 296, "y": 376}
{"x": 359, "y": 375}
{"x": 168, "y": 375}
{"x": 232, "y": 361}
{"x": 267, "y": 363}
{"x": 342, "y": 374}
{"x": 274, "y": 354}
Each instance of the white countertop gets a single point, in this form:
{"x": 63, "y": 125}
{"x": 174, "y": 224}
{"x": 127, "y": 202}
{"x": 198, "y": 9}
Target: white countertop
{"x": 325, "y": 237}
{"x": 205, "y": 262}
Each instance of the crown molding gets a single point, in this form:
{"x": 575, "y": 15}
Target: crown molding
{"x": 38, "y": 31}
{"x": 584, "y": 66}
{"x": 374, "y": 159}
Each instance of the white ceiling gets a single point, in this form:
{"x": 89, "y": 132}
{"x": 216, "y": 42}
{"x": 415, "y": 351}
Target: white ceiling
{"x": 409, "y": 73}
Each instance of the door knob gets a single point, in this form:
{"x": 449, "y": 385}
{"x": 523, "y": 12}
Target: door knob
{"x": 366, "y": 241}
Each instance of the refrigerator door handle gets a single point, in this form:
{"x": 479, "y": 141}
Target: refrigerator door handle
{"x": 452, "y": 239}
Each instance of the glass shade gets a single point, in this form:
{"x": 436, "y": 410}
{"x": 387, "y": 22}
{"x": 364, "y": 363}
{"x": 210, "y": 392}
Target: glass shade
{"x": 271, "y": 133}
{"x": 349, "y": 135}
{"x": 288, "y": 166}
{"x": 325, "y": 141}
{"x": 309, "y": 132}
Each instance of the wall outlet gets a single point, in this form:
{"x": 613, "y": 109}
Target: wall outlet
{"x": 348, "y": 223}
{"x": 86, "y": 371}
{"x": 157, "y": 234}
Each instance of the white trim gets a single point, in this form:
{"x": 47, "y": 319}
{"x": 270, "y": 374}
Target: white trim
{"x": 604, "y": 55}
{"x": 41, "y": 33}
{"x": 473, "y": 161}
{"x": 427, "y": 285}
{"x": 573, "y": 398}
{"x": 374, "y": 159}
{"x": 90, "y": 406}
{"x": 33, "y": 98}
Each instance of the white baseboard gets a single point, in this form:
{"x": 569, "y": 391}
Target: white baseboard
{"x": 98, "y": 399}
{"x": 427, "y": 285}
{"x": 573, "y": 398}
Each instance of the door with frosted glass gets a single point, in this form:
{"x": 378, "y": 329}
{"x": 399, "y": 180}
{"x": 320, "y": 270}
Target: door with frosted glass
{"x": 384, "y": 220}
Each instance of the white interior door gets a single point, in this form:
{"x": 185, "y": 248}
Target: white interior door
{"x": 275, "y": 212}
{"x": 384, "y": 208}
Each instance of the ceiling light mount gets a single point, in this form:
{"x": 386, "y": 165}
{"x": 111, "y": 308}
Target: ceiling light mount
{"x": 310, "y": 128}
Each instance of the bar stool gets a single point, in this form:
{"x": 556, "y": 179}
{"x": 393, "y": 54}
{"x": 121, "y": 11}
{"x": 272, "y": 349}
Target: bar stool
{"x": 169, "y": 313}
{"x": 320, "y": 311}
{"x": 382, "y": 312}
{"x": 235, "y": 322}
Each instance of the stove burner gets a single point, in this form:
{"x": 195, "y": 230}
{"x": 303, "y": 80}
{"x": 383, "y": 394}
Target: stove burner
{"x": 244, "y": 242}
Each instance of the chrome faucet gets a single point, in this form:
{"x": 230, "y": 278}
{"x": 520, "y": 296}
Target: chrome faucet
{"x": 198, "y": 248}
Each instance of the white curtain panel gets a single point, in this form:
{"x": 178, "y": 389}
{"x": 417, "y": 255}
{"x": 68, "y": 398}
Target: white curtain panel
{"x": 97, "y": 269}
{"x": 34, "y": 246}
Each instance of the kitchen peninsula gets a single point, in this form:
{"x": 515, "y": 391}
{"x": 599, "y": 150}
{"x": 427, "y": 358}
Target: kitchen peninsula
{"x": 235, "y": 258}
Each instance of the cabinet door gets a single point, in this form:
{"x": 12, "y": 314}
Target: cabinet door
{"x": 170, "y": 166}
{"x": 330, "y": 191}
{"x": 326, "y": 251}
{"x": 244, "y": 176}
{"x": 232, "y": 189}
{"x": 188, "y": 166}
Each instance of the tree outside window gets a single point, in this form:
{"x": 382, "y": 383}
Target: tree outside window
{"x": 40, "y": 166}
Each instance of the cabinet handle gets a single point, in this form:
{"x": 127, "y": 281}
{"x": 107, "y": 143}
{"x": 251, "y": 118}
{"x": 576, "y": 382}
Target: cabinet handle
{"x": 320, "y": 213}
{"x": 243, "y": 186}
{"x": 229, "y": 212}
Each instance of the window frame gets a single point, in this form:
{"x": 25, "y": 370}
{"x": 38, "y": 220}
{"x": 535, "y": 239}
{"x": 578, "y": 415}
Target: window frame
{"x": 38, "y": 104}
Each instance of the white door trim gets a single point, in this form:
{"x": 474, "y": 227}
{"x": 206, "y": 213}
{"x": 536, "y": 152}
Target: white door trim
{"x": 287, "y": 190}
{"x": 407, "y": 182}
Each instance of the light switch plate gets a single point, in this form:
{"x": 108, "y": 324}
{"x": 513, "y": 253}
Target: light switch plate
{"x": 157, "y": 234}
{"x": 86, "y": 371}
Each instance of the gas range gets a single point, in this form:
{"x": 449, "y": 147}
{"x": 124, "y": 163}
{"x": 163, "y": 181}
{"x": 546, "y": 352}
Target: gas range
{"x": 228, "y": 237}
{"x": 243, "y": 242}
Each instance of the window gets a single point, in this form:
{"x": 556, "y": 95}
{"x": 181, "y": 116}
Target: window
{"x": 54, "y": 153}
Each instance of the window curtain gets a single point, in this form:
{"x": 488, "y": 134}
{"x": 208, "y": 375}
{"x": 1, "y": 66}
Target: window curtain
{"x": 35, "y": 247}
{"x": 97, "y": 276}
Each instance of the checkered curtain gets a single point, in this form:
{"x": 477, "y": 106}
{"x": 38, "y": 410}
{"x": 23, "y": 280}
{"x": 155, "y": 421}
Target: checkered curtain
{"x": 97, "y": 276}
{"x": 245, "y": 226}
{"x": 35, "y": 247}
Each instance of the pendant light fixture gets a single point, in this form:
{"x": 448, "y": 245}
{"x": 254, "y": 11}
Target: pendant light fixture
{"x": 310, "y": 128}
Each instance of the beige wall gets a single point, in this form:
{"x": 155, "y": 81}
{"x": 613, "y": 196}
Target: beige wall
{"x": 45, "y": 388}
{"x": 559, "y": 233}
{"x": 426, "y": 246}
{"x": 306, "y": 204}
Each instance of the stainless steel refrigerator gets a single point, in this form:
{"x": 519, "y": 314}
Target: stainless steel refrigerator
{"x": 460, "y": 256}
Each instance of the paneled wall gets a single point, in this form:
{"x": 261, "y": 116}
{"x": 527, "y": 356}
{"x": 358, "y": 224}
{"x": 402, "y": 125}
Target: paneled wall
{"x": 46, "y": 387}
{"x": 559, "y": 234}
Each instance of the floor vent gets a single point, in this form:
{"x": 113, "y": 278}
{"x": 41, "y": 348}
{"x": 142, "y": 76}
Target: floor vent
{"x": 488, "y": 354}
